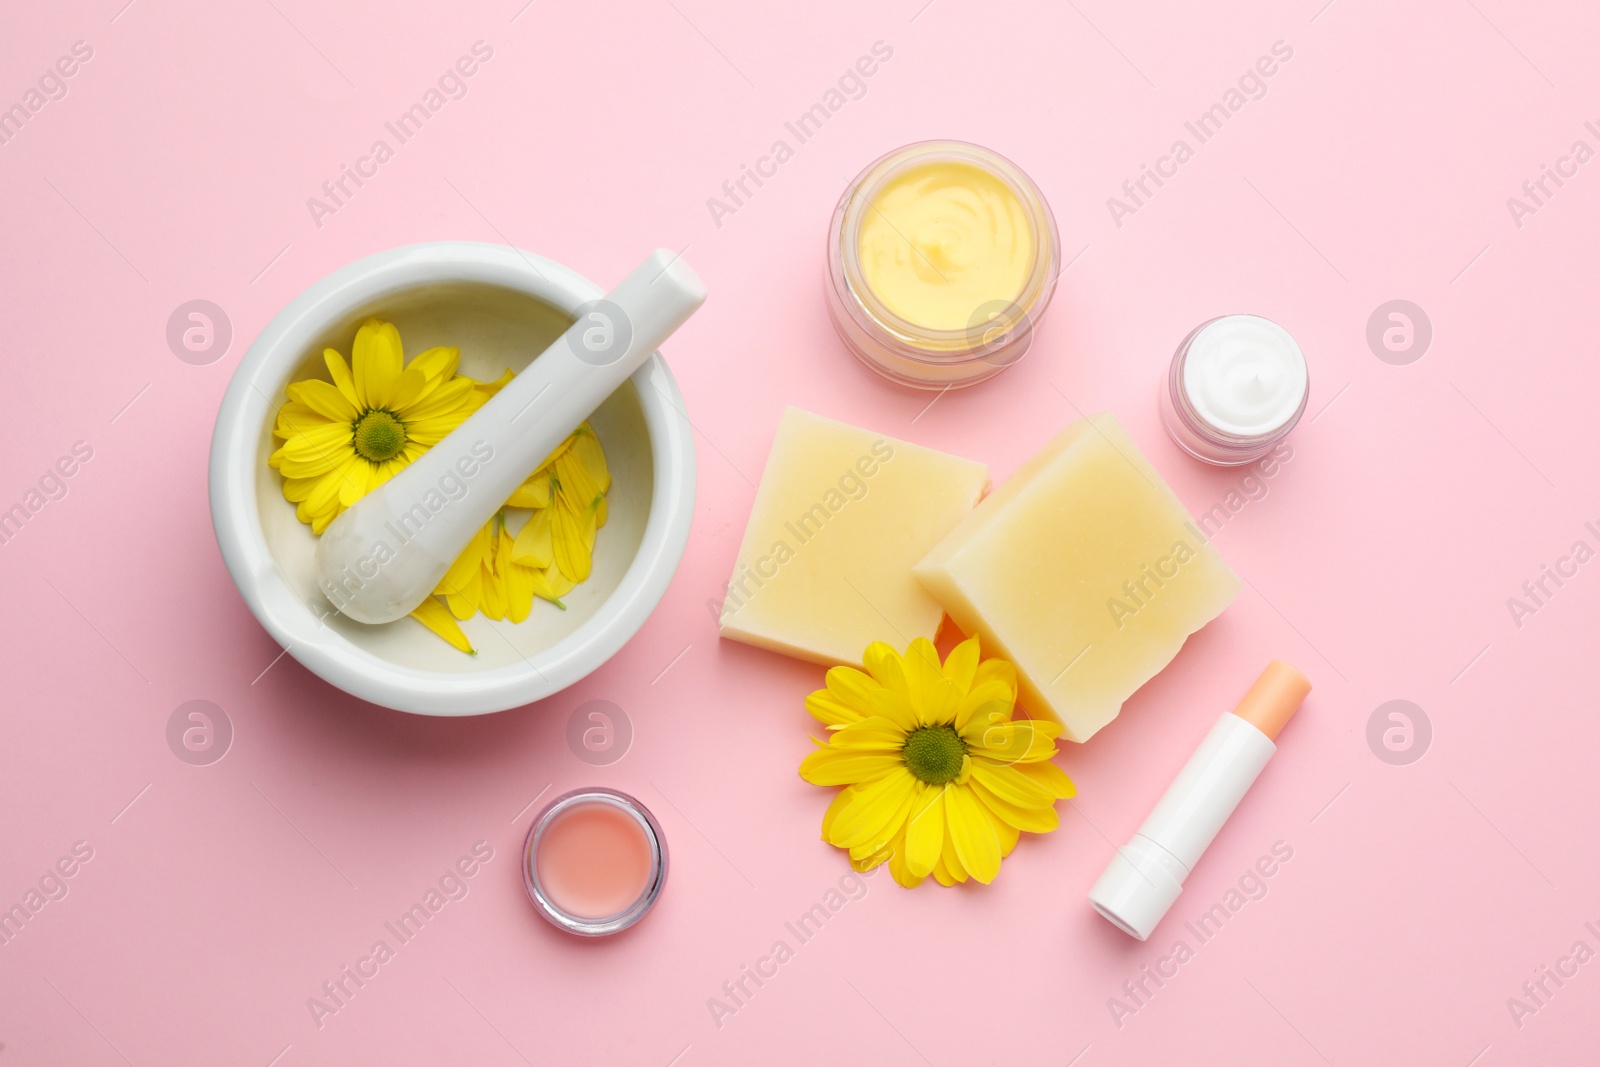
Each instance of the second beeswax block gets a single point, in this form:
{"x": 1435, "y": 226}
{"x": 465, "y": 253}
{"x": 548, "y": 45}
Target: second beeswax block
{"x": 1085, "y": 571}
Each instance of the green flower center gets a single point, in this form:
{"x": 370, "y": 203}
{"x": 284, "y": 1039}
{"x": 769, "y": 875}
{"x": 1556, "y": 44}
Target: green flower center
{"x": 379, "y": 435}
{"x": 934, "y": 753}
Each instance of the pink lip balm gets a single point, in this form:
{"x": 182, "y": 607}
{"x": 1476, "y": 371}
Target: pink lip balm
{"x": 595, "y": 862}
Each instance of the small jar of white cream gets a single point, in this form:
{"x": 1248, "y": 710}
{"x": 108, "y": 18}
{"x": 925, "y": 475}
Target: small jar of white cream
{"x": 1237, "y": 386}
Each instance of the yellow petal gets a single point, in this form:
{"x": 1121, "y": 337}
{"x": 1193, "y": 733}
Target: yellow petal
{"x": 587, "y": 451}
{"x": 976, "y": 844}
{"x": 488, "y": 389}
{"x": 875, "y": 734}
{"x": 1051, "y": 777}
{"x": 899, "y": 870}
{"x": 1011, "y": 785}
{"x": 830, "y": 710}
{"x": 988, "y": 697}
{"x": 883, "y": 663}
{"x": 440, "y": 411}
{"x": 356, "y": 476}
{"x": 532, "y": 546}
{"x": 857, "y": 690}
{"x": 467, "y": 565}
{"x": 571, "y": 536}
{"x": 833, "y": 766}
{"x": 840, "y": 799}
{"x": 437, "y": 364}
{"x": 1013, "y": 740}
{"x": 436, "y": 617}
{"x": 961, "y": 666}
{"x": 997, "y": 670}
{"x": 323, "y": 399}
{"x": 534, "y": 492}
{"x": 406, "y": 389}
{"x": 580, "y": 487}
{"x": 925, "y": 830}
{"x": 339, "y": 370}
{"x": 874, "y": 811}
{"x": 1034, "y": 820}
{"x": 932, "y": 695}
{"x": 297, "y": 460}
{"x": 376, "y": 358}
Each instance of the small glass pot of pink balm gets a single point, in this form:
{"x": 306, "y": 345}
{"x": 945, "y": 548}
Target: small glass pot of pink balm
{"x": 1237, "y": 385}
{"x": 941, "y": 258}
{"x": 594, "y": 862}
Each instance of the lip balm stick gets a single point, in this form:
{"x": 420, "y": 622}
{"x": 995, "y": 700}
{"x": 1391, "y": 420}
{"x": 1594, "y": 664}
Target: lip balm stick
{"x": 383, "y": 556}
{"x": 1144, "y": 878}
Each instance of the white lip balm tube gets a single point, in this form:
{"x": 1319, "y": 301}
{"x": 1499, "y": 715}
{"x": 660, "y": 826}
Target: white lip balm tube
{"x": 1144, "y": 878}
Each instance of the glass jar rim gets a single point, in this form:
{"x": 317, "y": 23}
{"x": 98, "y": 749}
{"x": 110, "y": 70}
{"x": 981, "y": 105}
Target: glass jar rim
{"x": 911, "y": 340}
{"x": 605, "y": 925}
{"x": 1198, "y": 424}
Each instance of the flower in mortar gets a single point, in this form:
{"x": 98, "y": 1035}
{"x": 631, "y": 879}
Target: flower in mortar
{"x": 939, "y": 777}
{"x": 343, "y": 439}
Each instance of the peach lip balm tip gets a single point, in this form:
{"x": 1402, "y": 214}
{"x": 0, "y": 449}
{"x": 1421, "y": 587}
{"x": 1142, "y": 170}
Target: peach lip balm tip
{"x": 1145, "y": 877}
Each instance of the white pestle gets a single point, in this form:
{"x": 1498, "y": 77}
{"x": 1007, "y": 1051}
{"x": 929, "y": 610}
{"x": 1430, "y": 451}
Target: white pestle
{"x": 388, "y": 551}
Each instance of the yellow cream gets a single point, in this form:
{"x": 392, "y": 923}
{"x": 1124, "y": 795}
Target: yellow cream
{"x": 945, "y": 245}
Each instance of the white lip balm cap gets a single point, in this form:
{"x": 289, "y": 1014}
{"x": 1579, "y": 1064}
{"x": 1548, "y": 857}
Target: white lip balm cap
{"x": 1138, "y": 886}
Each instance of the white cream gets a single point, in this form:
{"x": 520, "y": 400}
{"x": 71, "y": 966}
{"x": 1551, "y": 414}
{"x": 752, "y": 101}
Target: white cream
{"x": 1245, "y": 376}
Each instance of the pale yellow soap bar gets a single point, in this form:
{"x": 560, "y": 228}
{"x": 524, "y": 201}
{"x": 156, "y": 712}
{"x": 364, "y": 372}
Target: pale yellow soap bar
{"x": 841, "y": 516}
{"x": 1085, "y": 571}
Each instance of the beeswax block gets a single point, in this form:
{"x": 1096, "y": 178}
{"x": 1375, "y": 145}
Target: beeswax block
{"x": 1085, "y": 571}
{"x": 840, "y": 517}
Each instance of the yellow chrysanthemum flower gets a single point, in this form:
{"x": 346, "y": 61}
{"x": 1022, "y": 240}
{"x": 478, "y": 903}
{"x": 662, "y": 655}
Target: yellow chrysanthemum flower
{"x": 500, "y": 575}
{"x": 939, "y": 777}
{"x": 344, "y": 439}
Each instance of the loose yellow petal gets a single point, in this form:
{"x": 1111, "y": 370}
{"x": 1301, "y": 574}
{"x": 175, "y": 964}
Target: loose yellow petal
{"x": 436, "y": 617}
{"x": 534, "y": 492}
{"x": 533, "y": 546}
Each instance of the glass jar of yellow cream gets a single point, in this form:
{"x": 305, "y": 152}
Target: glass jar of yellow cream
{"x": 942, "y": 256}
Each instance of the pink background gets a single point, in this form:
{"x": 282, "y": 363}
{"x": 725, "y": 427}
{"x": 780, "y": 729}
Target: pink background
{"x": 1377, "y": 166}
